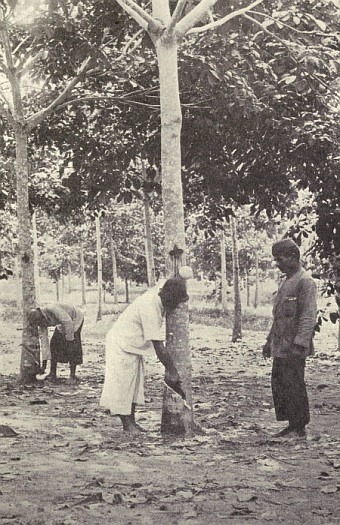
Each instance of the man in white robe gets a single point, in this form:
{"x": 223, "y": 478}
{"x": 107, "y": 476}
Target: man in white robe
{"x": 137, "y": 332}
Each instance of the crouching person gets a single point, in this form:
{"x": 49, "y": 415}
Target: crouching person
{"x": 65, "y": 345}
{"x": 138, "y": 331}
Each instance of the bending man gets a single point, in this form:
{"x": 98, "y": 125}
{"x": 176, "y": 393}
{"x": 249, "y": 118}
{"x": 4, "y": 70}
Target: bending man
{"x": 138, "y": 331}
{"x": 65, "y": 345}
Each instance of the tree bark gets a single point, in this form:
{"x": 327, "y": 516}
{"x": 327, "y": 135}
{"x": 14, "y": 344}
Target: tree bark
{"x": 127, "y": 290}
{"x": 257, "y": 279}
{"x": 30, "y": 355}
{"x": 99, "y": 269}
{"x": 223, "y": 273}
{"x": 150, "y": 265}
{"x": 36, "y": 257}
{"x": 69, "y": 277}
{"x": 177, "y": 322}
{"x": 114, "y": 270}
{"x": 82, "y": 273}
{"x": 237, "y": 327}
{"x": 248, "y": 286}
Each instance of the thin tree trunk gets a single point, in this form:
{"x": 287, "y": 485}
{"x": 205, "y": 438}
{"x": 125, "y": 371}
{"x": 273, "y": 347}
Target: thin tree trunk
{"x": 217, "y": 290}
{"x": 177, "y": 322}
{"x": 150, "y": 265}
{"x": 57, "y": 290}
{"x": 99, "y": 269}
{"x": 257, "y": 279}
{"x": 62, "y": 282}
{"x": 237, "y": 327}
{"x": 36, "y": 257}
{"x": 248, "y": 287}
{"x": 126, "y": 290}
{"x": 114, "y": 270}
{"x": 223, "y": 272}
{"x": 18, "y": 283}
{"x": 82, "y": 273}
{"x": 69, "y": 277}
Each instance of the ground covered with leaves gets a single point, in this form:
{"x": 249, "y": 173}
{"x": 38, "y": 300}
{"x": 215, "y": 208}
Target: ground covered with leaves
{"x": 64, "y": 461}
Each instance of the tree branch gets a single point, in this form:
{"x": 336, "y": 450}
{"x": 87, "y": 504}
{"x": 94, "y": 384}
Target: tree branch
{"x": 19, "y": 46}
{"x": 137, "y": 13}
{"x": 130, "y": 41}
{"x": 225, "y": 19}
{"x": 176, "y": 15}
{"x": 34, "y": 120}
{"x": 194, "y": 16}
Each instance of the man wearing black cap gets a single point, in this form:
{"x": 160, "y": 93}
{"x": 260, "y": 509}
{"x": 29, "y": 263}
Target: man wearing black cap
{"x": 290, "y": 339}
{"x": 138, "y": 331}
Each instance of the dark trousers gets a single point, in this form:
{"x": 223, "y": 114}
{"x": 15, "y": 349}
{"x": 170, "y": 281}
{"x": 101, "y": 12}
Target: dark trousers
{"x": 289, "y": 391}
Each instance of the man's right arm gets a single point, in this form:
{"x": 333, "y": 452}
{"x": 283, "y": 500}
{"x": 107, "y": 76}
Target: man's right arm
{"x": 172, "y": 378}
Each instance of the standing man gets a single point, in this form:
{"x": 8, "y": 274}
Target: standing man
{"x": 65, "y": 345}
{"x": 138, "y": 331}
{"x": 290, "y": 339}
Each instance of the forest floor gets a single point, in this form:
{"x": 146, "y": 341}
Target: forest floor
{"x": 69, "y": 462}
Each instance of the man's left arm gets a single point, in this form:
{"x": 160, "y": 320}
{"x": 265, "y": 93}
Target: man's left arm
{"x": 307, "y": 311}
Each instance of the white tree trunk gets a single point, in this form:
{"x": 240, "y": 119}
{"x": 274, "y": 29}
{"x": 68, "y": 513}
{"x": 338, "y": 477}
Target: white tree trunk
{"x": 99, "y": 270}
{"x": 114, "y": 270}
{"x": 177, "y": 322}
{"x": 150, "y": 264}
{"x": 69, "y": 277}
{"x": 237, "y": 327}
{"x": 257, "y": 279}
{"x": 82, "y": 273}
{"x": 223, "y": 273}
{"x": 36, "y": 257}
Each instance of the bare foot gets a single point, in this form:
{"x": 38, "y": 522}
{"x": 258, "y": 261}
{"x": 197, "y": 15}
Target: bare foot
{"x": 73, "y": 380}
{"x": 132, "y": 430}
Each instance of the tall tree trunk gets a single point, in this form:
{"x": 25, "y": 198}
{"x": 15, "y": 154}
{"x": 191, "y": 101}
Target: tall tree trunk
{"x": 114, "y": 270}
{"x": 99, "y": 269}
{"x": 30, "y": 355}
{"x": 127, "y": 290}
{"x": 257, "y": 279}
{"x": 18, "y": 283}
{"x": 150, "y": 265}
{"x": 248, "y": 286}
{"x": 223, "y": 272}
{"x": 82, "y": 273}
{"x": 57, "y": 289}
{"x": 177, "y": 322}
{"x": 62, "y": 274}
{"x": 237, "y": 327}
{"x": 69, "y": 277}
{"x": 36, "y": 257}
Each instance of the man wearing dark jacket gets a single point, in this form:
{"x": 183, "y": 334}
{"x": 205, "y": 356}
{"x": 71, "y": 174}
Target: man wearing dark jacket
{"x": 290, "y": 339}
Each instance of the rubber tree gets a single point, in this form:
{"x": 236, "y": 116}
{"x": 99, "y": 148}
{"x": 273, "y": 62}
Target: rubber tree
{"x": 167, "y": 29}
{"x": 237, "y": 325}
{"x": 12, "y": 109}
{"x": 99, "y": 268}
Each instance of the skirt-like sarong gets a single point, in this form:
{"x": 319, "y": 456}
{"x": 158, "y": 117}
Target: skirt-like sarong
{"x": 60, "y": 351}
{"x": 124, "y": 380}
